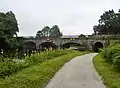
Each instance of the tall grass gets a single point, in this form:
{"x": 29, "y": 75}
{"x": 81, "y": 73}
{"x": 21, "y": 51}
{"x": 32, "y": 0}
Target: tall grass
{"x": 8, "y": 66}
{"x": 107, "y": 64}
{"x": 38, "y": 75}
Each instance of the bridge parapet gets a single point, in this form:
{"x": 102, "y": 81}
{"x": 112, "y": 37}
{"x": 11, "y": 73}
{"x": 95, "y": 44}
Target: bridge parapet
{"x": 89, "y": 41}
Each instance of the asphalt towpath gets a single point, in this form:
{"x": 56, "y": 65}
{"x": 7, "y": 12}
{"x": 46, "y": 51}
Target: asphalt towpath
{"x": 77, "y": 73}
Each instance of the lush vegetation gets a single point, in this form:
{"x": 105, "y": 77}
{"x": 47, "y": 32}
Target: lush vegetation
{"x": 9, "y": 66}
{"x": 10, "y": 43}
{"x": 109, "y": 23}
{"x": 112, "y": 54}
{"x": 107, "y": 64}
{"x": 110, "y": 75}
{"x": 37, "y": 75}
{"x": 47, "y": 31}
{"x": 8, "y": 32}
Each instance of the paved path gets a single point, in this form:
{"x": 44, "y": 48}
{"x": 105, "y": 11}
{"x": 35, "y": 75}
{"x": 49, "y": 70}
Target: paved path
{"x": 78, "y": 73}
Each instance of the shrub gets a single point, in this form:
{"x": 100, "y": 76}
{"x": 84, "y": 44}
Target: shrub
{"x": 116, "y": 61}
{"x": 100, "y": 50}
{"x": 112, "y": 54}
{"x": 109, "y": 74}
{"x": 8, "y": 66}
{"x": 109, "y": 53}
{"x": 46, "y": 55}
{"x": 38, "y": 75}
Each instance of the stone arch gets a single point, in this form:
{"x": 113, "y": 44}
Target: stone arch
{"x": 97, "y": 45}
{"x": 47, "y": 45}
{"x": 70, "y": 44}
{"x": 29, "y": 45}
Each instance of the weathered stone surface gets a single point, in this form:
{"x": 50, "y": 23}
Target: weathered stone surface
{"x": 58, "y": 41}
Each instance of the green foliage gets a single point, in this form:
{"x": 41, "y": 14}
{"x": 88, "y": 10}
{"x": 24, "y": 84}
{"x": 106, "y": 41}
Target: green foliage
{"x": 109, "y": 71}
{"x": 39, "y": 34}
{"x": 46, "y": 55}
{"x": 36, "y": 76}
{"x": 116, "y": 61}
{"x": 109, "y": 23}
{"x": 100, "y": 50}
{"x": 47, "y": 31}
{"x": 8, "y": 66}
{"x": 110, "y": 52}
{"x": 55, "y": 31}
{"x": 109, "y": 74}
{"x": 8, "y": 29}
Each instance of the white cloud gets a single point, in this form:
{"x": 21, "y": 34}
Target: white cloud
{"x": 72, "y": 16}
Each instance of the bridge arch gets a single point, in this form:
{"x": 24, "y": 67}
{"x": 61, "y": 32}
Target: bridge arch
{"x": 97, "y": 45}
{"x": 29, "y": 45}
{"x": 47, "y": 45}
{"x": 70, "y": 44}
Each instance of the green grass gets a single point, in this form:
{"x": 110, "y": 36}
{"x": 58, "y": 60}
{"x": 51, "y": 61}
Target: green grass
{"x": 38, "y": 75}
{"x": 9, "y": 67}
{"x": 110, "y": 75}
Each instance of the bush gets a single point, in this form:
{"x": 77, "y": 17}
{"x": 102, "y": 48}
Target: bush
{"x": 46, "y": 55}
{"x": 8, "y": 66}
{"x": 38, "y": 75}
{"x": 100, "y": 50}
{"x": 109, "y": 74}
{"x": 116, "y": 61}
{"x": 112, "y": 54}
{"x": 109, "y": 53}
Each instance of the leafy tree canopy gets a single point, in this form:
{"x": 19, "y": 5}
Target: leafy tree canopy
{"x": 109, "y": 23}
{"x": 8, "y": 31}
{"x": 47, "y": 31}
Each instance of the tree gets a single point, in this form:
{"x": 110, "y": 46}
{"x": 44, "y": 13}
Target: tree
{"x": 8, "y": 31}
{"x": 109, "y": 23}
{"x": 13, "y": 23}
{"x": 47, "y": 31}
{"x": 95, "y": 28}
{"x": 106, "y": 20}
{"x": 55, "y": 31}
{"x": 39, "y": 34}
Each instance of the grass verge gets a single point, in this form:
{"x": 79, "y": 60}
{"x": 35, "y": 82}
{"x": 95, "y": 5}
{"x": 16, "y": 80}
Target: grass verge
{"x": 38, "y": 75}
{"x": 9, "y": 66}
{"x": 110, "y": 75}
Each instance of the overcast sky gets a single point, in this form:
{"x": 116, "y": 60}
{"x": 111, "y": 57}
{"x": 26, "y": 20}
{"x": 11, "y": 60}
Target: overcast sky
{"x": 72, "y": 16}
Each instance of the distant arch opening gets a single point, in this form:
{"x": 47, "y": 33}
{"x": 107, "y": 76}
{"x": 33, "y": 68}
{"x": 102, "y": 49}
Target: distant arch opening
{"x": 47, "y": 45}
{"x": 97, "y": 46}
{"x": 29, "y": 46}
{"x": 72, "y": 45}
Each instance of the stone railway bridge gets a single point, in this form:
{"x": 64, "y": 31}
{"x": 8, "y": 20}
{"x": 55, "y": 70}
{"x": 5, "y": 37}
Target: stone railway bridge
{"x": 91, "y": 42}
